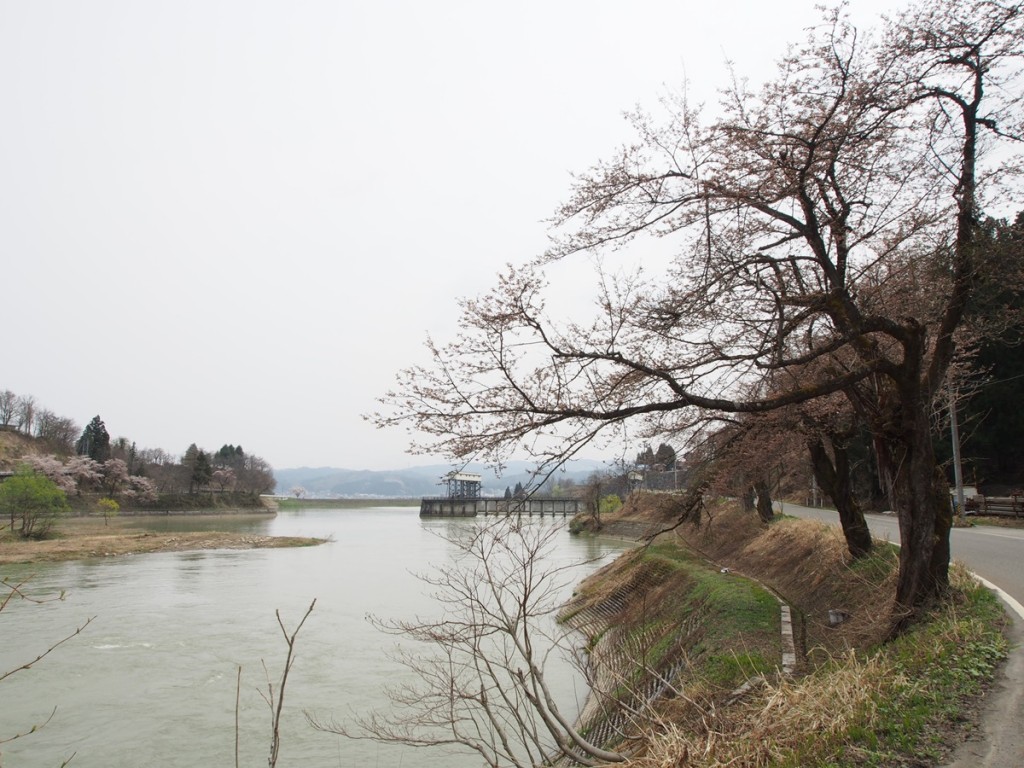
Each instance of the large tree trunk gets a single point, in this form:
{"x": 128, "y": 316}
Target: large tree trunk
{"x": 764, "y": 501}
{"x": 907, "y": 463}
{"x": 834, "y": 480}
{"x": 747, "y": 499}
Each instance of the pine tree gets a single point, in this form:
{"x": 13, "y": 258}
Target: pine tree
{"x": 95, "y": 441}
{"x": 665, "y": 457}
{"x": 646, "y": 457}
{"x": 202, "y": 471}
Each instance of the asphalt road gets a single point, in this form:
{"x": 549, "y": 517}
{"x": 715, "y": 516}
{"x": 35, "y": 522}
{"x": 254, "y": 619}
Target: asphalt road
{"x": 997, "y": 556}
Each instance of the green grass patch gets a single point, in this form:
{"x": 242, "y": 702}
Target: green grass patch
{"x": 736, "y": 605}
{"x": 922, "y": 685}
{"x": 939, "y": 668}
{"x": 727, "y": 671}
{"x": 669, "y": 553}
{"x": 882, "y": 560}
{"x": 734, "y": 621}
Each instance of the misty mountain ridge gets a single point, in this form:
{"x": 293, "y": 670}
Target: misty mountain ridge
{"x": 414, "y": 482}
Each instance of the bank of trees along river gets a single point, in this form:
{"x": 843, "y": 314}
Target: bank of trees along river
{"x": 831, "y": 236}
{"x": 96, "y": 472}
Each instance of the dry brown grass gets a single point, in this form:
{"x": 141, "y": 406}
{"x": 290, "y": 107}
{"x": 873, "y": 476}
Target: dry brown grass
{"x": 806, "y": 562}
{"x": 774, "y": 722}
{"x": 856, "y": 700}
{"x": 14, "y": 446}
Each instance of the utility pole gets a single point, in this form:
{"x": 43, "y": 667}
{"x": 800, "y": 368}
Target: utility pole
{"x": 958, "y": 476}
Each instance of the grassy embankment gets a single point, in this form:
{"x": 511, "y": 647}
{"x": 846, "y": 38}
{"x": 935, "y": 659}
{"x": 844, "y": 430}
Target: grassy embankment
{"x": 855, "y": 699}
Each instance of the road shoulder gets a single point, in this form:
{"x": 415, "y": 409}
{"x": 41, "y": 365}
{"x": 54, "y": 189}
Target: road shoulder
{"x": 999, "y": 740}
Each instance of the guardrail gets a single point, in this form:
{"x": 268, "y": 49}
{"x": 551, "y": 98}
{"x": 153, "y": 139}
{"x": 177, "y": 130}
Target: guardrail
{"x": 998, "y": 506}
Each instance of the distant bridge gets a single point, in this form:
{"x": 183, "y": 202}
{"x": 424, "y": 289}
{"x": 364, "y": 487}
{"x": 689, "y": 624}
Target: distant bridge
{"x": 450, "y": 506}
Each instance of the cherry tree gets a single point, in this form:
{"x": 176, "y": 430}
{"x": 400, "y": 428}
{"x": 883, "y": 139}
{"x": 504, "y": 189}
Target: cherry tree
{"x": 826, "y": 237}
{"x": 224, "y": 478}
{"x": 140, "y": 488}
{"x": 115, "y": 477}
{"x": 86, "y": 472}
{"x": 52, "y": 468}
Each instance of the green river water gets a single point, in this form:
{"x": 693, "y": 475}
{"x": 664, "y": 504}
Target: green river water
{"x": 151, "y": 682}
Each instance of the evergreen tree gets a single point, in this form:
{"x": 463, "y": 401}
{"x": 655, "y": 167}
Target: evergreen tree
{"x": 230, "y": 456}
{"x": 991, "y": 420}
{"x": 95, "y": 441}
{"x": 645, "y": 458}
{"x": 665, "y": 457}
{"x": 202, "y": 471}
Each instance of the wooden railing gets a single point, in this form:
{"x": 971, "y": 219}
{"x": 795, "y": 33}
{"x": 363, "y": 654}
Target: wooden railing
{"x": 471, "y": 507}
{"x": 999, "y": 506}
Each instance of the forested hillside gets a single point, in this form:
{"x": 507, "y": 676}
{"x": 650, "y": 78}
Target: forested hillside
{"x": 89, "y": 461}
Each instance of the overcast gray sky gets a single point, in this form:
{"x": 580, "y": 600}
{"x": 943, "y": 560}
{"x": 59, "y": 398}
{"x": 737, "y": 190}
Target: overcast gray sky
{"x": 232, "y": 221}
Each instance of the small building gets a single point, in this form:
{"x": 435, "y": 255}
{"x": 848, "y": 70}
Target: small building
{"x": 463, "y": 485}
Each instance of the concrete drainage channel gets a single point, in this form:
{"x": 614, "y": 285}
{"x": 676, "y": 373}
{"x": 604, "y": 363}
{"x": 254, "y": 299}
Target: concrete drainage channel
{"x": 788, "y": 648}
{"x": 788, "y": 639}
{"x": 788, "y": 644}
{"x": 604, "y": 725}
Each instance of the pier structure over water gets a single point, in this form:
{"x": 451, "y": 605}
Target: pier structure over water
{"x": 465, "y": 500}
{"x": 463, "y": 485}
{"x": 536, "y": 505}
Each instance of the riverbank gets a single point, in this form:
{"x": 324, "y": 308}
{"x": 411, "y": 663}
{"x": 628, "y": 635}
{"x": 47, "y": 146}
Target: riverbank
{"x": 855, "y": 699}
{"x": 79, "y": 538}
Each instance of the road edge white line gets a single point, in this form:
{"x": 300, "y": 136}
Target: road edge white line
{"x": 1004, "y": 596}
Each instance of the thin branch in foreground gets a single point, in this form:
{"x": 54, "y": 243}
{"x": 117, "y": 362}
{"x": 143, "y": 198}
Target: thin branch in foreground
{"x": 16, "y": 591}
{"x": 477, "y": 675}
{"x": 238, "y": 697}
{"x": 277, "y": 705}
{"x": 47, "y": 652}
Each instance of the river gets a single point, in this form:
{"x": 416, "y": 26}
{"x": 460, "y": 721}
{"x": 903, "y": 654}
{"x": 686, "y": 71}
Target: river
{"x": 152, "y": 680}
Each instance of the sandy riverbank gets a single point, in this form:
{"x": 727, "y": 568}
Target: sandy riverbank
{"x": 81, "y": 538}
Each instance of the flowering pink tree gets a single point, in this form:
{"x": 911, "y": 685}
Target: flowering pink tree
{"x": 115, "y": 476}
{"x": 86, "y": 473}
{"x": 52, "y": 468}
{"x": 140, "y": 489}
{"x": 224, "y": 478}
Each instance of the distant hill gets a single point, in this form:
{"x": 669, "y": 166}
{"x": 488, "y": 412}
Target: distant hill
{"x": 327, "y": 482}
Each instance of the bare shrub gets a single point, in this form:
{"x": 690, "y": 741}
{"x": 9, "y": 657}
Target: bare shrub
{"x": 479, "y": 672}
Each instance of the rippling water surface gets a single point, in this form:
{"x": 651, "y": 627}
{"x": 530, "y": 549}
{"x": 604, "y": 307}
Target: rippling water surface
{"x": 152, "y": 680}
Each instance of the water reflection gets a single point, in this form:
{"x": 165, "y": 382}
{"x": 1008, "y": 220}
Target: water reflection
{"x": 152, "y": 680}
{"x": 257, "y": 524}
